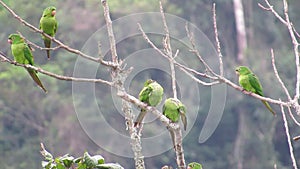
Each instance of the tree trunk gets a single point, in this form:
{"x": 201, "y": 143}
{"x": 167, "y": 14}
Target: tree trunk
{"x": 241, "y": 42}
{"x": 238, "y": 153}
{"x": 241, "y": 38}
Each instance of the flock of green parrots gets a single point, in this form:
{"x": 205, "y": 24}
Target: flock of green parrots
{"x": 22, "y": 51}
{"x": 152, "y": 92}
{"x": 173, "y": 109}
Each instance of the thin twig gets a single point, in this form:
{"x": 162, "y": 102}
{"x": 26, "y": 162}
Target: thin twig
{"x": 196, "y": 52}
{"x": 288, "y": 138}
{"x": 60, "y": 77}
{"x": 173, "y": 75}
{"x": 168, "y": 50}
{"x": 278, "y": 77}
{"x": 218, "y": 41}
{"x": 284, "y": 88}
{"x": 270, "y": 8}
{"x": 293, "y": 117}
{"x": 286, "y": 21}
{"x": 296, "y": 46}
{"x": 205, "y": 75}
{"x": 198, "y": 80}
{"x": 111, "y": 36}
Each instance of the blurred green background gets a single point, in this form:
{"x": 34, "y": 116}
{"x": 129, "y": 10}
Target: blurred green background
{"x": 28, "y": 116}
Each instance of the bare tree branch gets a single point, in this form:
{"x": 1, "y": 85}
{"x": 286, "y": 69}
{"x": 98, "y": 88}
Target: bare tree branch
{"x": 175, "y": 132}
{"x": 270, "y": 8}
{"x": 286, "y": 21}
{"x": 218, "y": 41}
{"x": 296, "y": 47}
{"x": 196, "y": 52}
{"x": 293, "y": 117}
{"x": 60, "y": 77}
{"x": 118, "y": 75}
{"x": 111, "y": 36}
{"x": 168, "y": 50}
{"x": 278, "y": 77}
{"x": 286, "y": 126}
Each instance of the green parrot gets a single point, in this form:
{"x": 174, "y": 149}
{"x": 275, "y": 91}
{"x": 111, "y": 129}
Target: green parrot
{"x": 194, "y": 165}
{"x": 173, "y": 109}
{"x": 249, "y": 81}
{"x": 151, "y": 94}
{"x": 48, "y": 25}
{"x": 22, "y": 54}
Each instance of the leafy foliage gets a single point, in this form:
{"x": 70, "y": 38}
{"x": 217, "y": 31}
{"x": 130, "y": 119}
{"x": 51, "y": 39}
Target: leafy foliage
{"x": 84, "y": 162}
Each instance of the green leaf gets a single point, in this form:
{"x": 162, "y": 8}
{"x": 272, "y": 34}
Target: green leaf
{"x": 47, "y": 165}
{"x": 194, "y": 165}
{"x": 98, "y": 159}
{"x": 81, "y": 166}
{"x": 87, "y": 159}
{"x": 60, "y": 166}
{"x": 67, "y": 160}
{"x": 77, "y": 160}
{"x": 48, "y": 156}
{"x": 109, "y": 166}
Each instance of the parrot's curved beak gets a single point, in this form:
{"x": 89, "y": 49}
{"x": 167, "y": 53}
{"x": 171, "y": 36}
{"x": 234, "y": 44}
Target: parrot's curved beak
{"x": 9, "y": 41}
{"x": 237, "y": 72}
{"x": 53, "y": 13}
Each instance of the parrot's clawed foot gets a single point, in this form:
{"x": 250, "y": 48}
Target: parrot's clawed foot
{"x": 139, "y": 127}
{"x": 246, "y": 92}
{"x": 136, "y": 125}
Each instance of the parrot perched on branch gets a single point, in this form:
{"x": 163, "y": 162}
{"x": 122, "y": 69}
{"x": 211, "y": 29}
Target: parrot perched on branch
{"x": 249, "y": 81}
{"x": 151, "y": 94}
{"x": 48, "y": 25}
{"x": 22, "y": 54}
{"x": 173, "y": 109}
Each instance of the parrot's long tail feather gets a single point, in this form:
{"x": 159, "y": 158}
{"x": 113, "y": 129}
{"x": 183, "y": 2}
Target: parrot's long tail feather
{"x": 140, "y": 118}
{"x": 36, "y": 79}
{"x": 184, "y": 120}
{"x": 173, "y": 138}
{"x": 269, "y": 107}
{"x": 47, "y": 43}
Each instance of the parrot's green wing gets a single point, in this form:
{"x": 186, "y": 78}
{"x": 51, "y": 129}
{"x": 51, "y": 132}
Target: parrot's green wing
{"x": 144, "y": 94}
{"x": 174, "y": 109}
{"x": 254, "y": 82}
{"x": 170, "y": 110}
{"x": 143, "y": 97}
{"x": 55, "y": 27}
{"x": 156, "y": 94}
{"x": 28, "y": 55}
